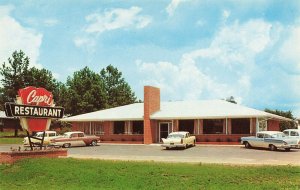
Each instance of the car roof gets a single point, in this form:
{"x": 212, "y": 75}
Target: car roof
{"x": 269, "y": 132}
{"x": 292, "y": 130}
{"x": 72, "y": 132}
{"x": 47, "y": 132}
{"x": 179, "y": 132}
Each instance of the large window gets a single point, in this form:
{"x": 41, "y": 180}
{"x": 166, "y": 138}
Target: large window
{"x": 138, "y": 127}
{"x": 240, "y": 126}
{"x": 119, "y": 127}
{"x": 186, "y": 125}
{"x": 213, "y": 126}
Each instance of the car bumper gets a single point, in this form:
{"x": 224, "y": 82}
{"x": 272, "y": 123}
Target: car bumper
{"x": 297, "y": 146}
{"x": 173, "y": 145}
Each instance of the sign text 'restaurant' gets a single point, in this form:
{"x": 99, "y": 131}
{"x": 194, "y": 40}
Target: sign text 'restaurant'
{"x": 18, "y": 110}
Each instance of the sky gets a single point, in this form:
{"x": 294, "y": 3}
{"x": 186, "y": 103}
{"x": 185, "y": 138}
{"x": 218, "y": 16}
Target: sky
{"x": 190, "y": 49}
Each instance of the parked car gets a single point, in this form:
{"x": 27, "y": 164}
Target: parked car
{"x": 270, "y": 139}
{"x": 75, "y": 138}
{"x": 179, "y": 139}
{"x": 38, "y": 138}
{"x": 293, "y": 133}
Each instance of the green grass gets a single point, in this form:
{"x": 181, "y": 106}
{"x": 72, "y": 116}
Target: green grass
{"x": 96, "y": 174}
{"x": 11, "y": 140}
{"x": 8, "y": 138}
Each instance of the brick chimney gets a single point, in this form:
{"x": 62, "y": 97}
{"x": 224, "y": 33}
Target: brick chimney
{"x": 151, "y": 105}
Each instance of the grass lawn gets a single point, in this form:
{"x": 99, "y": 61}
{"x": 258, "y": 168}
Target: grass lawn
{"x": 8, "y": 138}
{"x": 96, "y": 174}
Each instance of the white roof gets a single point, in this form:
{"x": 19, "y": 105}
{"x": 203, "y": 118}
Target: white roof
{"x": 122, "y": 113}
{"x": 205, "y": 109}
{"x": 208, "y": 109}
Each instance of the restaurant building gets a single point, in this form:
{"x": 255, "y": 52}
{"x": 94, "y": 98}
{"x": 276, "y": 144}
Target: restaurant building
{"x": 148, "y": 122}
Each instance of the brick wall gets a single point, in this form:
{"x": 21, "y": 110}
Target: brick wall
{"x": 273, "y": 125}
{"x": 11, "y": 157}
{"x": 151, "y": 105}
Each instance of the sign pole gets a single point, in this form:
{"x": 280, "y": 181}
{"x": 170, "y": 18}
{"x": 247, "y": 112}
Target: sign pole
{"x": 42, "y": 140}
{"x": 29, "y": 140}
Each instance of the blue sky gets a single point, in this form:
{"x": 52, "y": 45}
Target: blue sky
{"x": 191, "y": 49}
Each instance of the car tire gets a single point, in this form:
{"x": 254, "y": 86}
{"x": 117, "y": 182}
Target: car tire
{"x": 167, "y": 148}
{"x": 247, "y": 145}
{"x": 287, "y": 149}
{"x": 272, "y": 147}
{"x": 94, "y": 143}
{"x": 67, "y": 145}
{"x": 194, "y": 143}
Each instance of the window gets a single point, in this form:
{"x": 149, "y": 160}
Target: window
{"x": 240, "y": 126}
{"x": 119, "y": 127}
{"x": 186, "y": 125}
{"x": 213, "y": 126}
{"x": 260, "y": 135}
{"x": 294, "y": 133}
{"x": 138, "y": 127}
{"x": 80, "y": 135}
{"x": 52, "y": 134}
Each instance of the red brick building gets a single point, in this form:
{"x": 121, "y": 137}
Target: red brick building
{"x": 148, "y": 122}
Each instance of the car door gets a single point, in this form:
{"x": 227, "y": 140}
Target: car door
{"x": 257, "y": 142}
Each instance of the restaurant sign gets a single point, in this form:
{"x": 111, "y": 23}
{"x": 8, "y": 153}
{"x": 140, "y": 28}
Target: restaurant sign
{"x": 35, "y": 108}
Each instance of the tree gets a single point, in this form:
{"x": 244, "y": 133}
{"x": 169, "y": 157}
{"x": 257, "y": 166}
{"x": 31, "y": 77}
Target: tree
{"x": 85, "y": 93}
{"x": 118, "y": 91}
{"x": 14, "y": 75}
{"x": 284, "y": 124}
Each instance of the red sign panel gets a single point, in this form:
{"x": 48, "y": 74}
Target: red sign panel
{"x": 36, "y": 97}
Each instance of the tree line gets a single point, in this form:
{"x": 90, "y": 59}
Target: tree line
{"x": 85, "y": 91}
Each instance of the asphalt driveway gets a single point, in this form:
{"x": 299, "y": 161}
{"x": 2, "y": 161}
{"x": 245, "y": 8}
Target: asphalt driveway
{"x": 198, "y": 154}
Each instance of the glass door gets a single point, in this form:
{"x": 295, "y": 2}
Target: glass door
{"x": 164, "y": 130}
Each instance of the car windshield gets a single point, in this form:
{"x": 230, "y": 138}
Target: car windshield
{"x": 175, "y": 136}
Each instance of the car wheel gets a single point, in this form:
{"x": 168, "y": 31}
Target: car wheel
{"x": 167, "y": 148}
{"x": 67, "y": 145}
{"x": 194, "y": 143}
{"x": 287, "y": 149}
{"x": 247, "y": 145}
{"x": 272, "y": 147}
{"x": 94, "y": 143}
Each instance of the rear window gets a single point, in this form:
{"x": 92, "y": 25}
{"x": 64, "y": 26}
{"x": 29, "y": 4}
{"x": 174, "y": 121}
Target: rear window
{"x": 176, "y": 136}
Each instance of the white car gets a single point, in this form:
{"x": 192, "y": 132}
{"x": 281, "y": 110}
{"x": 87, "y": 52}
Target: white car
{"x": 179, "y": 139}
{"x": 37, "y": 138}
{"x": 270, "y": 139}
{"x": 294, "y": 134}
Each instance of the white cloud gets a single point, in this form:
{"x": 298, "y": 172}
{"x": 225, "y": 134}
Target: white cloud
{"x": 173, "y": 6}
{"x": 116, "y": 19}
{"x": 13, "y": 36}
{"x": 113, "y": 19}
{"x": 290, "y": 51}
{"x": 218, "y": 71}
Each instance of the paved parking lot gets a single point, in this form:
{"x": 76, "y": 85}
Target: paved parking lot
{"x": 198, "y": 154}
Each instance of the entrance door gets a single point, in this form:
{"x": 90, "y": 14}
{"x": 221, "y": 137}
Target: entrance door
{"x": 164, "y": 130}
